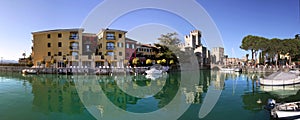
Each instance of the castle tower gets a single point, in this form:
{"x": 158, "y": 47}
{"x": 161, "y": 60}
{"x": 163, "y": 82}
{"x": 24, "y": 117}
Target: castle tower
{"x": 193, "y": 40}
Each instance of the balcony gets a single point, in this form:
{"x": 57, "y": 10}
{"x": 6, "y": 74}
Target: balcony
{"x": 74, "y": 48}
{"x": 110, "y": 47}
{"x": 74, "y": 37}
{"x": 110, "y": 38}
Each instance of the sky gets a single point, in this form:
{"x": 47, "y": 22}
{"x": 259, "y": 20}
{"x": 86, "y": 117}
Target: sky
{"x": 234, "y": 19}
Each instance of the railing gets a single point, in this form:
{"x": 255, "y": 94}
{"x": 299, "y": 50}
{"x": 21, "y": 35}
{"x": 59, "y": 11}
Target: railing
{"x": 74, "y": 48}
{"x": 74, "y": 37}
{"x": 110, "y": 38}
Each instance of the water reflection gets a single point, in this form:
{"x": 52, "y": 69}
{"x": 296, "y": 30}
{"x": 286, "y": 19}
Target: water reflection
{"x": 141, "y": 94}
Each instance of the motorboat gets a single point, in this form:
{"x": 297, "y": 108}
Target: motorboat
{"x": 153, "y": 71}
{"x": 290, "y": 110}
{"x": 295, "y": 71}
{"x": 237, "y": 69}
{"x": 280, "y": 79}
{"x": 153, "y": 76}
{"x": 226, "y": 69}
{"x": 29, "y": 71}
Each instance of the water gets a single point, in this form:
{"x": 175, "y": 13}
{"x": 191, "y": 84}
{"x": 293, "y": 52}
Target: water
{"x": 89, "y": 97}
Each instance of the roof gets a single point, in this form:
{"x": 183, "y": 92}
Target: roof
{"x": 58, "y": 30}
{"x": 112, "y": 30}
{"x": 130, "y": 40}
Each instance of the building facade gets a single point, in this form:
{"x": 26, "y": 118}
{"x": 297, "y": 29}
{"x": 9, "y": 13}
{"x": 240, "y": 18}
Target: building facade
{"x": 55, "y": 47}
{"x": 111, "y": 45}
{"x": 130, "y": 48}
{"x": 217, "y": 55}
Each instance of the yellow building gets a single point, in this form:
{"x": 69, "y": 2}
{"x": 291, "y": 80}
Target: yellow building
{"x": 56, "y": 47}
{"x": 111, "y": 45}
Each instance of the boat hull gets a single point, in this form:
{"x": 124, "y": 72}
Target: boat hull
{"x": 269, "y": 82}
{"x": 288, "y": 114}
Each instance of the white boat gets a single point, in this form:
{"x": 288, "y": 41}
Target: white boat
{"x": 280, "y": 79}
{"x": 289, "y": 110}
{"x": 226, "y": 69}
{"x": 153, "y": 70}
{"x": 295, "y": 71}
{"x": 153, "y": 76}
{"x": 29, "y": 71}
{"x": 237, "y": 69}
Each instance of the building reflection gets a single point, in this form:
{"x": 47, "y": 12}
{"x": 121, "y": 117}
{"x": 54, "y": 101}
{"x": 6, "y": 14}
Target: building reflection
{"x": 55, "y": 94}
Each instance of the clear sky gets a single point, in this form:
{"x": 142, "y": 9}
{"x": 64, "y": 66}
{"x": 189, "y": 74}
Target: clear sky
{"x": 234, "y": 19}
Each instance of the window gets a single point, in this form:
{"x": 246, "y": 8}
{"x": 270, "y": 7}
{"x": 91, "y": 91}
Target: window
{"x": 127, "y": 45}
{"x": 110, "y": 53}
{"x": 59, "y": 54}
{"x": 88, "y": 48}
{"x": 110, "y": 36}
{"x": 74, "y": 53}
{"x": 49, "y": 44}
{"x": 74, "y": 36}
{"x": 120, "y": 35}
{"x": 110, "y": 46}
{"x": 59, "y": 44}
{"x": 120, "y": 53}
{"x": 49, "y": 53}
{"x": 100, "y": 45}
{"x": 74, "y": 46}
{"x": 132, "y": 46}
{"x": 100, "y": 53}
{"x": 48, "y": 36}
{"x": 120, "y": 44}
{"x": 59, "y": 35}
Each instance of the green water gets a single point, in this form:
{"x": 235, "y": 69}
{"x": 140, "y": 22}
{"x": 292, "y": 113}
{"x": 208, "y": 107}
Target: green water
{"x": 39, "y": 97}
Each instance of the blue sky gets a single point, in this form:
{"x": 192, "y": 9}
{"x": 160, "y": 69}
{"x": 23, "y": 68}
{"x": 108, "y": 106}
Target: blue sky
{"x": 234, "y": 19}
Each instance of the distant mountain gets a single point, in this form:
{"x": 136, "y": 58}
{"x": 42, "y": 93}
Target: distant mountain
{"x": 9, "y": 61}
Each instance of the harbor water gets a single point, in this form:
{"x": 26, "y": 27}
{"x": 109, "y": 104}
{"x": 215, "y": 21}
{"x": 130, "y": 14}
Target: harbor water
{"x": 175, "y": 95}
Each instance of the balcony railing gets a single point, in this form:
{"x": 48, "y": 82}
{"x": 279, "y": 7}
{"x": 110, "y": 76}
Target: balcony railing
{"x": 110, "y": 38}
{"x": 74, "y": 37}
{"x": 73, "y": 48}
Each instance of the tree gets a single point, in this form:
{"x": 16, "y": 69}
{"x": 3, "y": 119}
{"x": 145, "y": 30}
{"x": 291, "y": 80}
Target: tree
{"x": 251, "y": 43}
{"x": 24, "y": 55}
{"x": 247, "y": 56}
{"x": 297, "y": 36}
{"x": 169, "y": 39}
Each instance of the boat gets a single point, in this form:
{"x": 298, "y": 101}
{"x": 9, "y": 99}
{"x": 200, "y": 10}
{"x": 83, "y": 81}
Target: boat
{"x": 295, "y": 71}
{"x": 280, "y": 79}
{"x": 29, "y": 71}
{"x": 226, "y": 69}
{"x": 290, "y": 110}
{"x": 153, "y": 76}
{"x": 237, "y": 69}
{"x": 153, "y": 71}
